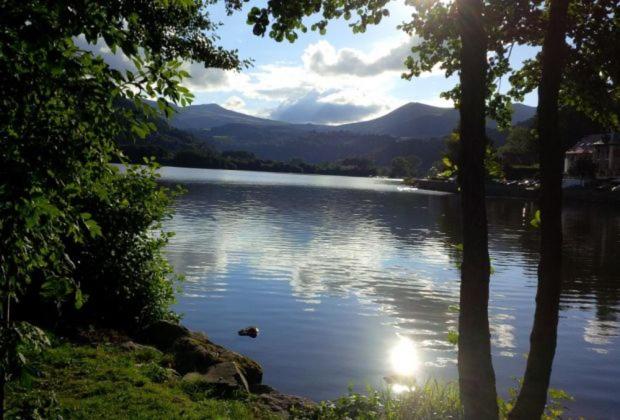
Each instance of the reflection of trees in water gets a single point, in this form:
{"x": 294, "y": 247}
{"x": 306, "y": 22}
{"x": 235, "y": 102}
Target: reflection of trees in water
{"x": 359, "y": 230}
{"x": 592, "y": 262}
{"x": 591, "y": 247}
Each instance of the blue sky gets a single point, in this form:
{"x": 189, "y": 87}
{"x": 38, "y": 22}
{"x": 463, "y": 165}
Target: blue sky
{"x": 335, "y": 78}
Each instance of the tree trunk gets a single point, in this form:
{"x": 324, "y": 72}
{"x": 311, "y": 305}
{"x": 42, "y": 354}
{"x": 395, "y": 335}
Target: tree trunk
{"x": 476, "y": 376}
{"x": 533, "y": 395}
{"x": 4, "y": 351}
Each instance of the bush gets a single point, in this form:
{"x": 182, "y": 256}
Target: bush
{"x": 125, "y": 279}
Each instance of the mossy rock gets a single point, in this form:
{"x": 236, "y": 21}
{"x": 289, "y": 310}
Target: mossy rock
{"x": 250, "y": 368}
{"x": 197, "y": 354}
{"x": 163, "y": 334}
{"x": 223, "y": 380}
{"x": 190, "y": 355}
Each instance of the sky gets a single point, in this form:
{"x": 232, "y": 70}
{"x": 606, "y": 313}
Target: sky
{"x": 336, "y": 78}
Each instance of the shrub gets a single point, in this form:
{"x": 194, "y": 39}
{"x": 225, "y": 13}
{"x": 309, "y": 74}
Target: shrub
{"x": 125, "y": 279}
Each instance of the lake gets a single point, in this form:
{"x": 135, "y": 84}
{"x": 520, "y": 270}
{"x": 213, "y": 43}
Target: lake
{"x": 353, "y": 279}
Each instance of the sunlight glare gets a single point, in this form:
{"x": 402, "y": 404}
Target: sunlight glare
{"x": 404, "y": 357}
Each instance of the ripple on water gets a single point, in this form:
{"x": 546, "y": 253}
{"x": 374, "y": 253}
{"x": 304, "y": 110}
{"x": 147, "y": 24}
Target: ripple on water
{"x": 335, "y": 269}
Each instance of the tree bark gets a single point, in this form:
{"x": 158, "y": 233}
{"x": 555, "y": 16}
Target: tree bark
{"x": 533, "y": 395}
{"x": 4, "y": 351}
{"x": 476, "y": 375}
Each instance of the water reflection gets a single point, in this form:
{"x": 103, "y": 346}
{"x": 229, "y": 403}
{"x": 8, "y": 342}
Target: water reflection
{"x": 332, "y": 275}
{"x": 404, "y": 358}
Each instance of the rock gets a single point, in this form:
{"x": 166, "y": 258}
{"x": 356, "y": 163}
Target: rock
{"x": 223, "y": 378}
{"x": 141, "y": 352}
{"x": 261, "y": 389}
{"x": 190, "y": 355}
{"x": 250, "y": 369}
{"x": 249, "y": 332}
{"x": 130, "y": 346}
{"x": 283, "y": 404}
{"x": 133, "y": 346}
{"x": 163, "y": 334}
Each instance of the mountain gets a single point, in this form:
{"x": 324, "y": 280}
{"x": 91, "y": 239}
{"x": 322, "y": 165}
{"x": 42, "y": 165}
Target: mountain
{"x": 413, "y": 129}
{"x": 203, "y": 117}
{"x": 424, "y": 121}
{"x": 412, "y": 120}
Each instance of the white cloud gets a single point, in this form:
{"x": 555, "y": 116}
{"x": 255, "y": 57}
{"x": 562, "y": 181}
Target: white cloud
{"x": 323, "y": 59}
{"x": 327, "y": 85}
{"x": 328, "y": 108}
{"x": 208, "y": 79}
{"x": 234, "y": 103}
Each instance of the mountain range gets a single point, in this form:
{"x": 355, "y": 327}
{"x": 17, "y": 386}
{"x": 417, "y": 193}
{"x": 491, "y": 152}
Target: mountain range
{"x": 413, "y": 129}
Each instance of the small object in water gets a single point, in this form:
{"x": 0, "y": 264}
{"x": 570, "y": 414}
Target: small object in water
{"x": 249, "y": 332}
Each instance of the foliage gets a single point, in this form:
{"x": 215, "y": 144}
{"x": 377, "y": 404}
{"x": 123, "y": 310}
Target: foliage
{"x": 59, "y": 120}
{"x": 405, "y": 166}
{"x": 20, "y": 342}
{"x": 123, "y": 274}
{"x": 590, "y": 80}
{"x": 453, "y": 337}
{"x": 535, "y": 222}
{"x": 520, "y": 146}
{"x": 105, "y": 381}
{"x": 448, "y": 166}
{"x": 554, "y": 409}
{"x": 432, "y": 400}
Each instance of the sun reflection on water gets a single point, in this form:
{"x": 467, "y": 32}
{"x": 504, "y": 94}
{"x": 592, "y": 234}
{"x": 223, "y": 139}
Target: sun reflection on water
{"x": 405, "y": 363}
{"x": 404, "y": 358}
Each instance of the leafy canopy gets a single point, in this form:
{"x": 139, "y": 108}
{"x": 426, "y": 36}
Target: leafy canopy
{"x": 59, "y": 120}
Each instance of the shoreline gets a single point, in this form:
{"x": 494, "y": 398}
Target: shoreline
{"x": 514, "y": 191}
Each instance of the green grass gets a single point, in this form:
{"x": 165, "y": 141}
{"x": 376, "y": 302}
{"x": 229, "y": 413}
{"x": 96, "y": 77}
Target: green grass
{"x": 105, "y": 381}
{"x": 433, "y": 400}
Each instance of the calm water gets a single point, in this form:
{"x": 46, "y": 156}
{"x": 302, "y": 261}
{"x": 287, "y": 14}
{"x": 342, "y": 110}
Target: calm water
{"x": 340, "y": 273}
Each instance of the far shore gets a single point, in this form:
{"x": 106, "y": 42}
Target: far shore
{"x": 496, "y": 189}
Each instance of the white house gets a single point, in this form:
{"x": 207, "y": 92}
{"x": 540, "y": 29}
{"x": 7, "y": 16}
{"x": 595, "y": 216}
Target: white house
{"x": 602, "y": 149}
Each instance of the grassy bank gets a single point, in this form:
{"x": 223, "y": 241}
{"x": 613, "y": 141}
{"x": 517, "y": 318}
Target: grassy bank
{"x": 113, "y": 380}
{"x": 108, "y": 381}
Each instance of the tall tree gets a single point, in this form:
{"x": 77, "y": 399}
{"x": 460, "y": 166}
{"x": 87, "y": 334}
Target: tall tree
{"x": 533, "y": 395}
{"x": 476, "y": 375}
{"x": 580, "y": 76}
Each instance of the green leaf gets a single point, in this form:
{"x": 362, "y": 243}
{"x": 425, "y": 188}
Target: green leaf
{"x": 453, "y": 337}
{"x": 79, "y": 299}
{"x": 93, "y": 227}
{"x": 535, "y": 222}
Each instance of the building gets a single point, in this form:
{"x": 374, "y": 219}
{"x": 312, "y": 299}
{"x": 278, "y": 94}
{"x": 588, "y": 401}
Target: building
{"x": 602, "y": 149}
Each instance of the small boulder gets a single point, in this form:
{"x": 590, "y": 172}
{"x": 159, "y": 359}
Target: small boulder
{"x": 190, "y": 355}
{"x": 163, "y": 334}
{"x": 222, "y": 379}
{"x": 249, "y": 332}
{"x": 250, "y": 369}
{"x": 130, "y": 346}
{"x": 284, "y": 404}
{"x": 141, "y": 352}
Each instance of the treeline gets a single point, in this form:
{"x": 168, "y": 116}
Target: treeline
{"x": 240, "y": 160}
